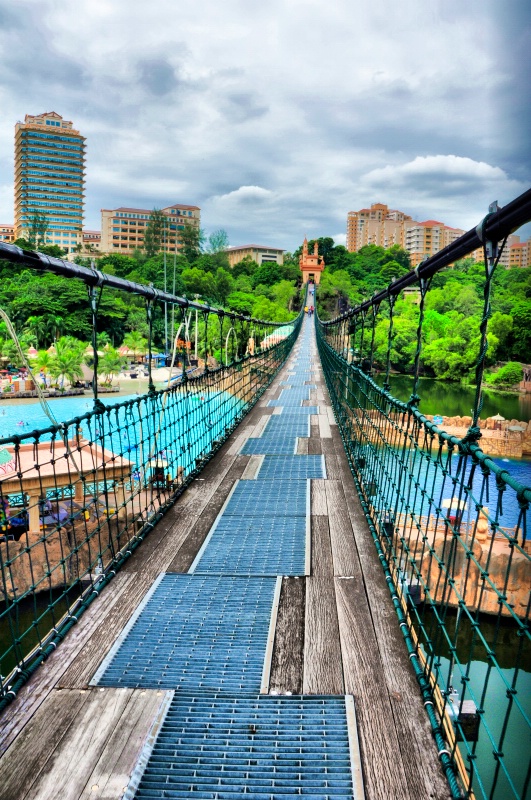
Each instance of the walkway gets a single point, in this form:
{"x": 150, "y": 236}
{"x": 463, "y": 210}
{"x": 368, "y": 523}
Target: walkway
{"x": 248, "y": 647}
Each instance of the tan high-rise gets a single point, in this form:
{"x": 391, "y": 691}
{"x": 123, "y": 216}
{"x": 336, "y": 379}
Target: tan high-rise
{"x": 50, "y": 178}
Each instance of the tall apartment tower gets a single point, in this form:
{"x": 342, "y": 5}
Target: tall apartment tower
{"x": 50, "y": 178}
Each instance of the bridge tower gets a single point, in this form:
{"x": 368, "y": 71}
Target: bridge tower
{"x": 310, "y": 264}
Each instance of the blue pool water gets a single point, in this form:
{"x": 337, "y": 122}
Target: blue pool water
{"x": 176, "y": 427}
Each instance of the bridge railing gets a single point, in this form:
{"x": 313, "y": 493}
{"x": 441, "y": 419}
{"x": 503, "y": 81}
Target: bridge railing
{"x": 78, "y": 496}
{"x": 450, "y": 526}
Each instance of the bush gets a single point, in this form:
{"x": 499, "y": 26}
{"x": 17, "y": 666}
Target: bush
{"x": 508, "y": 375}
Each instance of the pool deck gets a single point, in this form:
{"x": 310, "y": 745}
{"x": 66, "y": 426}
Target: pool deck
{"x": 333, "y": 632}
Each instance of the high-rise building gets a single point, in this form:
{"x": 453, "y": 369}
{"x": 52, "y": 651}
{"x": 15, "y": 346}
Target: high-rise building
{"x": 50, "y": 178}
{"x": 376, "y": 225}
{"x": 385, "y": 227}
{"x": 424, "y": 239}
{"x": 123, "y": 229}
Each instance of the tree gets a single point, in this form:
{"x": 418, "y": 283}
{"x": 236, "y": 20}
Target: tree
{"x": 37, "y": 229}
{"x": 65, "y": 364}
{"x": 110, "y": 364}
{"x": 242, "y": 302}
{"x": 154, "y": 234}
{"x": 191, "y": 239}
{"x": 39, "y": 327}
{"x": 135, "y": 342}
{"x": 509, "y": 375}
{"x": 267, "y": 273}
{"x": 223, "y": 285}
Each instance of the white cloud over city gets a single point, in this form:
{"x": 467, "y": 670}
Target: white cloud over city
{"x": 278, "y": 118}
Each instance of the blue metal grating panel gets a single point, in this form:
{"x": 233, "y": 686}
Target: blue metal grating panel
{"x": 267, "y": 445}
{"x": 268, "y": 498}
{"x": 199, "y": 632}
{"x": 291, "y": 468}
{"x": 263, "y": 747}
{"x": 254, "y": 546}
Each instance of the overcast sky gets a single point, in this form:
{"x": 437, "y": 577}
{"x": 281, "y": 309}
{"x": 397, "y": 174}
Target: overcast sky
{"x": 278, "y": 117}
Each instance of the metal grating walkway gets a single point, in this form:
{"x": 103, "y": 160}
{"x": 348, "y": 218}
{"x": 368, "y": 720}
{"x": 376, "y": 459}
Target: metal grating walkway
{"x": 263, "y": 747}
{"x": 209, "y": 635}
{"x": 201, "y": 633}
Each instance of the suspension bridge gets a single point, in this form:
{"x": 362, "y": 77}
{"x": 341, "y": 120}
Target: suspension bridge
{"x": 270, "y": 579}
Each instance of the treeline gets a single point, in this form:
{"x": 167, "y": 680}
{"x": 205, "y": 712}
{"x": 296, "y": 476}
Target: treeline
{"x": 454, "y": 310}
{"x": 44, "y": 307}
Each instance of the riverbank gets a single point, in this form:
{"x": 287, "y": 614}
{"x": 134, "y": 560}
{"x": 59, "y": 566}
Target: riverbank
{"x": 499, "y": 437}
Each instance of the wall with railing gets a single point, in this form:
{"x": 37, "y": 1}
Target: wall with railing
{"x": 450, "y": 526}
{"x": 78, "y": 496}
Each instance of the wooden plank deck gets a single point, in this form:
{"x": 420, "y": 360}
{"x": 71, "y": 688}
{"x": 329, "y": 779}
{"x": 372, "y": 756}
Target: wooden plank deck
{"x": 336, "y": 633}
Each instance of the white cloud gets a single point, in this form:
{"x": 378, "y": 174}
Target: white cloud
{"x": 275, "y": 128}
{"x": 245, "y": 194}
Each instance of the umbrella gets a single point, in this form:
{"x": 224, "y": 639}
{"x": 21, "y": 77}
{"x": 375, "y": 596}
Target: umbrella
{"x": 453, "y": 502}
{"x": 498, "y": 418}
{"x": 516, "y": 428}
{"x": 32, "y": 353}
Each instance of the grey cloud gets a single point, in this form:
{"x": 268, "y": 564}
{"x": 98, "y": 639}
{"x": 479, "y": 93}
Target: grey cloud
{"x": 157, "y": 76}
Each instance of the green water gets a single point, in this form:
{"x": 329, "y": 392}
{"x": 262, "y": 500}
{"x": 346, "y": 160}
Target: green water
{"x": 454, "y": 400}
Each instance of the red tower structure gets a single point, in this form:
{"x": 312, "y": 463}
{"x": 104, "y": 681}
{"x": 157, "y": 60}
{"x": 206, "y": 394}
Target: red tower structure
{"x": 310, "y": 264}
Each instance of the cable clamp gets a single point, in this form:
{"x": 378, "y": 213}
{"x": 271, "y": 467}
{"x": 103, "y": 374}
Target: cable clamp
{"x": 428, "y": 703}
{"x": 480, "y": 229}
{"x": 100, "y": 277}
{"x": 444, "y": 752}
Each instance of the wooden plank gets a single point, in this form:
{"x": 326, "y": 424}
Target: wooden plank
{"x": 323, "y": 670}
{"x": 322, "y": 561}
{"x": 120, "y": 755}
{"x": 185, "y": 555}
{"x": 341, "y": 534}
{"x": 83, "y": 746}
{"x": 318, "y": 503}
{"x": 29, "y": 754}
{"x": 381, "y": 749}
{"x": 35, "y": 692}
{"x": 419, "y": 755}
{"x": 332, "y": 469}
{"x": 302, "y": 447}
{"x": 324, "y": 426}
{"x": 287, "y": 660}
{"x": 315, "y": 447}
{"x": 252, "y": 469}
{"x": 96, "y": 647}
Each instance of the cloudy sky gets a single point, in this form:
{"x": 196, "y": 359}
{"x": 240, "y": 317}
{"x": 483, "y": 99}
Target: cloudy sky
{"x": 278, "y": 118}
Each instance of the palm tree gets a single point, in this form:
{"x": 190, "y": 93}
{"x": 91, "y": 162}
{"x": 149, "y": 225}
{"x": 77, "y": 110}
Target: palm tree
{"x": 110, "y": 364}
{"x": 135, "y": 342}
{"x": 66, "y": 363}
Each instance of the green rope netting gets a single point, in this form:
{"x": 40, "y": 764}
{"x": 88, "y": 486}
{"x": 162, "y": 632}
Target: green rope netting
{"x": 450, "y": 527}
{"x": 77, "y": 498}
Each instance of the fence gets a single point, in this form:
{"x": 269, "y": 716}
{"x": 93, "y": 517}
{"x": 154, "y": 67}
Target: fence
{"x": 77, "y": 497}
{"x": 450, "y": 528}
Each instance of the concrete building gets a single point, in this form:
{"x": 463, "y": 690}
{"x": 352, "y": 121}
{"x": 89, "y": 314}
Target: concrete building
{"x": 386, "y": 227}
{"x": 376, "y": 225}
{"x": 92, "y": 241}
{"x": 50, "y": 178}
{"x": 520, "y": 254}
{"x": 123, "y": 229}
{"x": 7, "y": 232}
{"x": 424, "y": 239}
{"x": 257, "y": 252}
{"x": 310, "y": 264}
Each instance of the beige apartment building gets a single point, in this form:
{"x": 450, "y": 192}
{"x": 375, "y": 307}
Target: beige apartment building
{"x": 376, "y": 225}
{"x": 385, "y": 227}
{"x": 50, "y": 178}
{"x": 257, "y": 252}
{"x": 424, "y": 239}
{"x": 123, "y": 229}
{"x": 7, "y": 232}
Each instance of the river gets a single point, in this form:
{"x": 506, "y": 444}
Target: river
{"x": 451, "y": 399}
